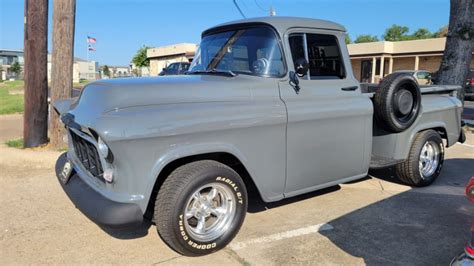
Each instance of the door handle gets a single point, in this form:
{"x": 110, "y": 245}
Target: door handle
{"x": 352, "y": 88}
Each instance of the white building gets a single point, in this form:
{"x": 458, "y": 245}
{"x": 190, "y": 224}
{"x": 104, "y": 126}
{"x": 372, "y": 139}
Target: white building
{"x": 118, "y": 71}
{"x": 81, "y": 70}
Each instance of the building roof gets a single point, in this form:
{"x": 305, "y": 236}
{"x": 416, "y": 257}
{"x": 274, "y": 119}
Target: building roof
{"x": 282, "y": 24}
{"x": 11, "y": 52}
{"x": 425, "y": 46}
{"x": 176, "y": 49}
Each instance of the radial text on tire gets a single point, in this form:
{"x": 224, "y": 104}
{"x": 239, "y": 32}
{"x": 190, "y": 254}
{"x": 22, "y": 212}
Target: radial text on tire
{"x": 200, "y": 207}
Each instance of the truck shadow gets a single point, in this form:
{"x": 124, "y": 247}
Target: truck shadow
{"x": 138, "y": 232}
{"x": 422, "y": 226}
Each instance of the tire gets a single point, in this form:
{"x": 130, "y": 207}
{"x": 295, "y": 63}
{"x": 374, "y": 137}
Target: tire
{"x": 397, "y": 102}
{"x": 412, "y": 171}
{"x": 221, "y": 207}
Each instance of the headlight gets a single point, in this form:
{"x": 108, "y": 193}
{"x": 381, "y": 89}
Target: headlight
{"x": 103, "y": 149}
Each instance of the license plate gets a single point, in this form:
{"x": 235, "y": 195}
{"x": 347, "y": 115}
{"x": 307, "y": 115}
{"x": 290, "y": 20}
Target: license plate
{"x": 66, "y": 172}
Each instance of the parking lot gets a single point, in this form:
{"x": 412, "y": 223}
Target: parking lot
{"x": 371, "y": 221}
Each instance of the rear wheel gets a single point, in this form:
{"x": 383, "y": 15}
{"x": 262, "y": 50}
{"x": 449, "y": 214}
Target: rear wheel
{"x": 425, "y": 160}
{"x": 200, "y": 207}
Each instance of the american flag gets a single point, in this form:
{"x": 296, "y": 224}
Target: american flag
{"x": 90, "y": 48}
{"x": 91, "y": 39}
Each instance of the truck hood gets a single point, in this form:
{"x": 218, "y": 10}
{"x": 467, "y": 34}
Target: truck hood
{"x": 104, "y": 96}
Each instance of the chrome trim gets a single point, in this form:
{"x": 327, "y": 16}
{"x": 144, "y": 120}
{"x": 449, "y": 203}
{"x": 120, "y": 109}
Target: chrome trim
{"x": 105, "y": 164}
{"x": 209, "y": 212}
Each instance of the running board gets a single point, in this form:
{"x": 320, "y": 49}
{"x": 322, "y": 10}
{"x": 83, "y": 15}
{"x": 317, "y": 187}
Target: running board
{"x": 377, "y": 162}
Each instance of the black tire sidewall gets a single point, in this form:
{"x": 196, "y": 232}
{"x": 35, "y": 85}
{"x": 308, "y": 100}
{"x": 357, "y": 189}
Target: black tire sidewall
{"x": 424, "y": 181}
{"x": 402, "y": 125}
{"x": 226, "y": 177}
{"x": 384, "y": 107}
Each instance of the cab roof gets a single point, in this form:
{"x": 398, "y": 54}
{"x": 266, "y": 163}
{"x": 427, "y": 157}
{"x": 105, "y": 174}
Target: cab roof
{"x": 282, "y": 24}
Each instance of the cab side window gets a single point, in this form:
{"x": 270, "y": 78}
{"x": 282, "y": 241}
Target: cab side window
{"x": 321, "y": 51}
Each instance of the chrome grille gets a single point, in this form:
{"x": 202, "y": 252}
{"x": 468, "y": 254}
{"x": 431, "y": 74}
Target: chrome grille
{"x": 88, "y": 155}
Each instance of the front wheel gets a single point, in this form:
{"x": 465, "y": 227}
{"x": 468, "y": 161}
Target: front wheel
{"x": 425, "y": 160}
{"x": 200, "y": 207}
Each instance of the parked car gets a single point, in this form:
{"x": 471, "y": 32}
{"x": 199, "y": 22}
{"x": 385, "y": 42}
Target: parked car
{"x": 469, "y": 88}
{"x": 267, "y": 103}
{"x": 175, "y": 69}
{"x": 467, "y": 256}
{"x": 423, "y": 77}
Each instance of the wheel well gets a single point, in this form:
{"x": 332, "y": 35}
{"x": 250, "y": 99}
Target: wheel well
{"x": 222, "y": 157}
{"x": 441, "y": 131}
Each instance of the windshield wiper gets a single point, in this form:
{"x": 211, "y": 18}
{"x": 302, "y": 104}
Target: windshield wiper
{"x": 214, "y": 71}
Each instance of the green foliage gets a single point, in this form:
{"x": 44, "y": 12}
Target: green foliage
{"x": 106, "y": 71}
{"x": 400, "y": 33}
{"x": 422, "y": 33}
{"x": 11, "y": 103}
{"x": 16, "y": 68}
{"x": 442, "y": 32}
{"x": 366, "y": 38}
{"x": 348, "y": 39}
{"x": 396, "y": 33}
{"x": 140, "y": 59}
{"x": 15, "y": 143}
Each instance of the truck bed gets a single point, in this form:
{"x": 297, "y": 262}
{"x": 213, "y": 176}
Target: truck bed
{"x": 439, "y": 104}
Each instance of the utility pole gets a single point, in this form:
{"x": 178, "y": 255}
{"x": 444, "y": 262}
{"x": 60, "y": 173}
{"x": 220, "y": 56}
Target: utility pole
{"x": 64, "y": 14}
{"x": 35, "y": 121}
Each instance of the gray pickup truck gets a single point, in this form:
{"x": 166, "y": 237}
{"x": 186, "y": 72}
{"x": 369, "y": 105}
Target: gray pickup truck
{"x": 269, "y": 105}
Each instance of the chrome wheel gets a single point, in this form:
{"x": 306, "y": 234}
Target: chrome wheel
{"x": 209, "y": 212}
{"x": 429, "y": 159}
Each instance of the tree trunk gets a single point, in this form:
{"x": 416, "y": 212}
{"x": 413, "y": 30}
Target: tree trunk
{"x": 64, "y": 12}
{"x": 35, "y": 122}
{"x": 454, "y": 67}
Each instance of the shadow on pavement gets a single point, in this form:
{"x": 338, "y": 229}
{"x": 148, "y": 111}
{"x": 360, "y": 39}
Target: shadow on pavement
{"x": 256, "y": 204}
{"x": 422, "y": 226}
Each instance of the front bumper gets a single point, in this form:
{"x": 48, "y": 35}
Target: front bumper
{"x": 101, "y": 210}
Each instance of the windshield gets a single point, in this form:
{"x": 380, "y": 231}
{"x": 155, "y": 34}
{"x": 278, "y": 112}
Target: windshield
{"x": 251, "y": 51}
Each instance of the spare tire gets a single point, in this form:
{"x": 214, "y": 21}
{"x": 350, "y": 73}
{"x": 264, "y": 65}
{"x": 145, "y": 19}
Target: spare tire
{"x": 397, "y": 102}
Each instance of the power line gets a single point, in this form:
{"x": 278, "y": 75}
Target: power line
{"x": 238, "y": 8}
{"x": 259, "y": 6}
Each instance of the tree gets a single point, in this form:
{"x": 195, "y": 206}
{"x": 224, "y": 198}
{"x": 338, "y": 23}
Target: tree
{"x": 16, "y": 68}
{"x": 64, "y": 14}
{"x": 442, "y": 32}
{"x": 35, "y": 117}
{"x": 140, "y": 59}
{"x": 457, "y": 56}
{"x": 396, "y": 33}
{"x": 348, "y": 39}
{"x": 366, "y": 38}
{"x": 106, "y": 71}
{"x": 422, "y": 33}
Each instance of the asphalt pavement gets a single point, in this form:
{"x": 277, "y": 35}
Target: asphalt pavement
{"x": 371, "y": 221}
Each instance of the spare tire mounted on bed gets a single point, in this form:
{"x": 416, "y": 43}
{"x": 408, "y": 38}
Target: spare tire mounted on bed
{"x": 397, "y": 102}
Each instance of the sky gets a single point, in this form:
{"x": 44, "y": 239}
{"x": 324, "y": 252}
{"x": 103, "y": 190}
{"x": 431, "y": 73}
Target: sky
{"x": 121, "y": 27}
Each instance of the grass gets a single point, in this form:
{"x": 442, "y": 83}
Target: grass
{"x": 14, "y": 103}
{"x": 11, "y": 103}
{"x": 80, "y": 84}
{"x": 15, "y": 143}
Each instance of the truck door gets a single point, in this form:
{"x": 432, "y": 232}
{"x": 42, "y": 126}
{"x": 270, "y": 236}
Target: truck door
{"x": 329, "y": 126}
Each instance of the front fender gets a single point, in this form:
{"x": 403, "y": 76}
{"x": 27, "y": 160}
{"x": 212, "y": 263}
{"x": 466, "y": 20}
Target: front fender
{"x": 193, "y": 150}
